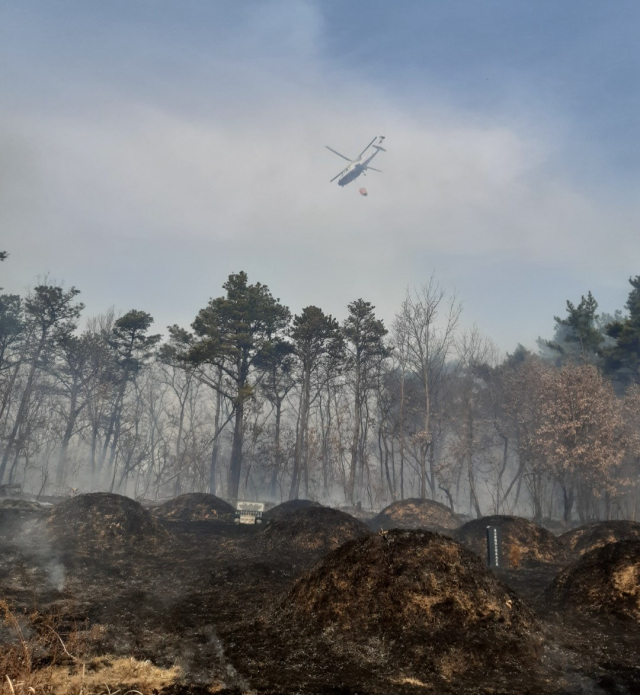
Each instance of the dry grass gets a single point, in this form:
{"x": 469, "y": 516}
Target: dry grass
{"x": 36, "y": 660}
{"x": 514, "y": 556}
{"x": 98, "y": 676}
{"x": 102, "y": 676}
{"x": 415, "y": 682}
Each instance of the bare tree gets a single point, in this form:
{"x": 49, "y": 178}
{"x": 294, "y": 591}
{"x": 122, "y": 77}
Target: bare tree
{"x": 426, "y": 325}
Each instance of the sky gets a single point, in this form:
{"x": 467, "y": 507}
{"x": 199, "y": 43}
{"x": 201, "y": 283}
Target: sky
{"x": 150, "y": 148}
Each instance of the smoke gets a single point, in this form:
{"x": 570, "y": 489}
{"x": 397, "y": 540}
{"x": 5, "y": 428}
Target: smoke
{"x": 27, "y": 559}
{"x": 224, "y": 159}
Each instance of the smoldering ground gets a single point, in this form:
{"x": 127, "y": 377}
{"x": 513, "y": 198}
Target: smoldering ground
{"x": 28, "y": 559}
{"x": 228, "y": 606}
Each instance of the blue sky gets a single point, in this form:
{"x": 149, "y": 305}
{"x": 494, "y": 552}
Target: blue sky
{"x": 150, "y": 148}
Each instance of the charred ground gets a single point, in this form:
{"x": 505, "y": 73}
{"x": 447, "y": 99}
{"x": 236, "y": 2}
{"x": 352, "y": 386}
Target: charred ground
{"x": 405, "y": 612}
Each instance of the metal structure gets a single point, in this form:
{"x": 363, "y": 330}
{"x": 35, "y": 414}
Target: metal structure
{"x": 248, "y": 512}
{"x": 494, "y": 546}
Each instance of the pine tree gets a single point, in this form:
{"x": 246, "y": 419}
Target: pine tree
{"x": 577, "y": 337}
{"x": 624, "y": 356}
{"x": 234, "y": 333}
{"x": 132, "y": 348}
{"x": 316, "y": 337}
{"x": 364, "y": 334}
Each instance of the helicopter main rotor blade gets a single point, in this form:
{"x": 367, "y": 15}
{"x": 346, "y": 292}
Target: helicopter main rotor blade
{"x": 367, "y": 147}
{"x": 338, "y": 153}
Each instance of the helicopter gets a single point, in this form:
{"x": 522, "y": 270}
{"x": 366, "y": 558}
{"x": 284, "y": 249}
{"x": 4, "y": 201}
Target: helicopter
{"x": 360, "y": 165}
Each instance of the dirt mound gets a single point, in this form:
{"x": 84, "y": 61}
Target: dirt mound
{"x": 604, "y": 580}
{"x": 312, "y": 528}
{"x": 425, "y": 603}
{"x": 285, "y": 508}
{"x": 523, "y": 542}
{"x": 416, "y": 513}
{"x": 195, "y": 506}
{"x": 591, "y": 536}
{"x": 102, "y": 520}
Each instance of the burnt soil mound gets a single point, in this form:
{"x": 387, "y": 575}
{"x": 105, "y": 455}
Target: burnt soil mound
{"x": 100, "y": 520}
{"x": 285, "y": 508}
{"x": 195, "y": 506}
{"x": 591, "y": 536}
{"x": 312, "y": 529}
{"x": 416, "y": 603}
{"x": 416, "y": 513}
{"x": 523, "y": 541}
{"x": 605, "y": 580}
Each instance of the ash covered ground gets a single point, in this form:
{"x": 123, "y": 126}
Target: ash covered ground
{"x": 99, "y": 594}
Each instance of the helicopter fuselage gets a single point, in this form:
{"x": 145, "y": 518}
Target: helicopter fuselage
{"x": 355, "y": 169}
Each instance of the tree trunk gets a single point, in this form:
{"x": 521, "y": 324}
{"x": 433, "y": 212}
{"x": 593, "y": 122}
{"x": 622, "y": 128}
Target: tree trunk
{"x": 402, "y": 435}
{"x": 392, "y": 492}
{"x": 432, "y": 470}
{"x": 9, "y": 390}
{"x": 503, "y": 468}
{"x": 179, "y": 457}
{"x": 215, "y": 448}
{"x": 326, "y": 443}
{"x": 68, "y": 432}
{"x": 95, "y": 425}
{"x": 305, "y": 466}
{"x": 356, "y": 438}
{"x": 277, "y": 453}
{"x": 305, "y": 397}
{"x": 427, "y": 434}
{"x": 235, "y": 467}
{"x": 113, "y": 420}
{"x": 472, "y": 488}
{"x": 567, "y": 498}
{"x": 114, "y": 440}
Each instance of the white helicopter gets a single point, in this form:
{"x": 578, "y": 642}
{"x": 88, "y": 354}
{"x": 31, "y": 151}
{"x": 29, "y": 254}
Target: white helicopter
{"x": 358, "y": 166}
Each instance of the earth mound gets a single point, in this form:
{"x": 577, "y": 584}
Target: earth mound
{"x": 425, "y": 604}
{"x": 195, "y": 506}
{"x": 604, "y": 580}
{"x": 523, "y": 541}
{"x": 313, "y": 528}
{"x": 285, "y": 508}
{"x": 100, "y": 520}
{"x": 581, "y": 540}
{"x": 416, "y": 513}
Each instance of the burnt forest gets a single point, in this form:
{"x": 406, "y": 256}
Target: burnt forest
{"x": 379, "y": 453}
